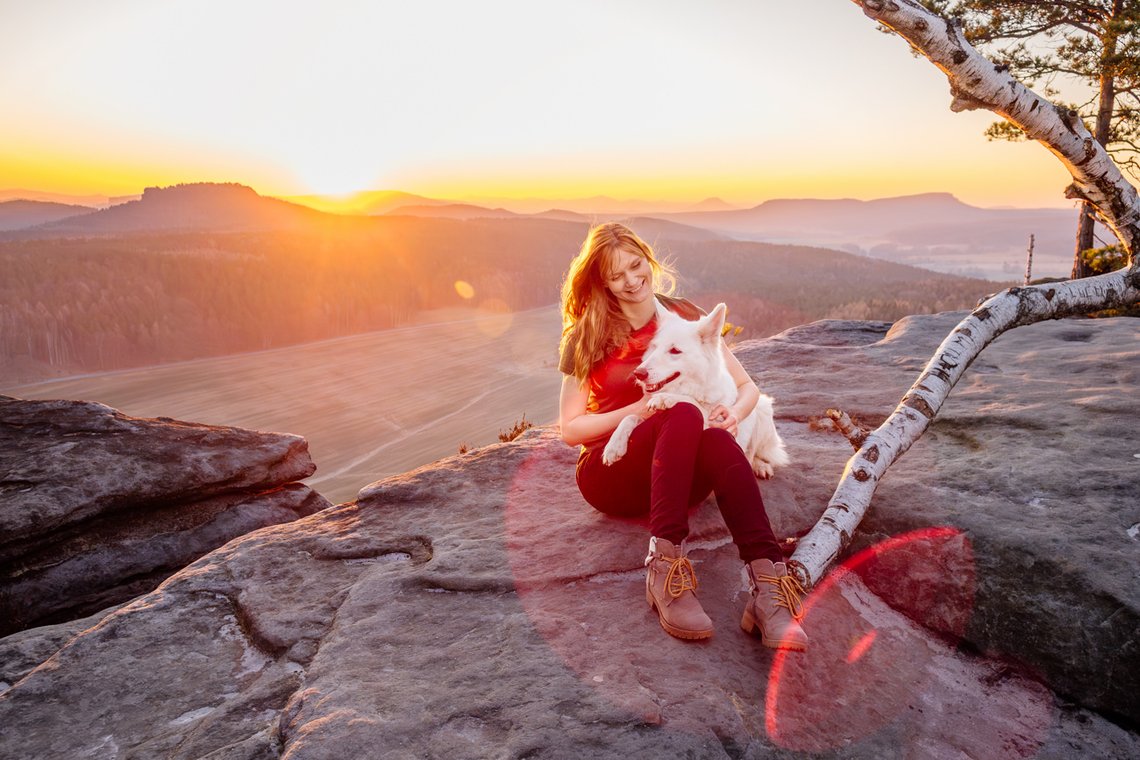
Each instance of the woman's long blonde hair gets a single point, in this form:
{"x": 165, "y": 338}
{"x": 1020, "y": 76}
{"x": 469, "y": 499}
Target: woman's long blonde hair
{"x": 591, "y": 317}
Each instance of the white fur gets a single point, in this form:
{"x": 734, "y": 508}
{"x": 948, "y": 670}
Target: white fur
{"x": 691, "y": 351}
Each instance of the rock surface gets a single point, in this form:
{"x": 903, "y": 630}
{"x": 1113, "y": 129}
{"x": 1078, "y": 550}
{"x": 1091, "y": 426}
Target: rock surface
{"x": 478, "y": 608}
{"x": 97, "y": 507}
{"x": 1035, "y": 457}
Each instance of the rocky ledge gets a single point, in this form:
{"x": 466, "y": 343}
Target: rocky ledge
{"x": 478, "y": 608}
{"x": 97, "y": 507}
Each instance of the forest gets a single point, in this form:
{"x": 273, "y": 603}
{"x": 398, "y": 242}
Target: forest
{"x": 86, "y": 304}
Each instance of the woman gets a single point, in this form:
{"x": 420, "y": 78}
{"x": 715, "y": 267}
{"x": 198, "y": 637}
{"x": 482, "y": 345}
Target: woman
{"x": 673, "y": 462}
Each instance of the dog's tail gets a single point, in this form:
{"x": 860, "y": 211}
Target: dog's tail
{"x": 770, "y": 446}
{"x": 778, "y": 454}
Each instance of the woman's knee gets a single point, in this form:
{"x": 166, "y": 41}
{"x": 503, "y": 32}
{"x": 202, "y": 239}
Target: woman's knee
{"x": 719, "y": 451}
{"x": 615, "y": 502}
{"x": 720, "y": 441}
{"x": 685, "y": 413}
{"x": 618, "y": 491}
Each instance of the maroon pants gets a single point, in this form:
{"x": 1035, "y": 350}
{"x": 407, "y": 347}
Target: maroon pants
{"x": 671, "y": 465}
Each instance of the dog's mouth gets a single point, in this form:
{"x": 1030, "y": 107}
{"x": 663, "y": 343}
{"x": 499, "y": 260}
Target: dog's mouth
{"x": 658, "y": 386}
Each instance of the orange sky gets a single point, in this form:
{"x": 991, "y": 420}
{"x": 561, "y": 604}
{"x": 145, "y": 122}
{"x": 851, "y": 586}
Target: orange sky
{"x": 649, "y": 99}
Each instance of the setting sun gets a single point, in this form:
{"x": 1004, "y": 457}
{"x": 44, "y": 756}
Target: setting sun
{"x": 330, "y": 175}
{"x": 505, "y": 100}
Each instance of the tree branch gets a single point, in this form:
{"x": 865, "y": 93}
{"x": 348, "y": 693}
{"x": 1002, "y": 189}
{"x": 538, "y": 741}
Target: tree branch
{"x": 854, "y": 434}
{"x": 1012, "y": 308}
{"x": 976, "y": 82}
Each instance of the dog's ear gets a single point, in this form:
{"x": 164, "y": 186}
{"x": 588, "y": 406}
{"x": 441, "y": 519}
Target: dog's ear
{"x": 665, "y": 315}
{"x": 712, "y": 325}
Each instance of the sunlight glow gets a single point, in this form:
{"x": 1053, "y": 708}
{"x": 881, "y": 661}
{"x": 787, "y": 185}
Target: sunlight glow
{"x": 506, "y": 98}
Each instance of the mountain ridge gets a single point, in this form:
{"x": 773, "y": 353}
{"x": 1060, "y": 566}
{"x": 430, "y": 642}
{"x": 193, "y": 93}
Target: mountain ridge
{"x": 934, "y": 230}
{"x": 199, "y": 206}
{"x": 93, "y": 200}
{"x": 21, "y": 213}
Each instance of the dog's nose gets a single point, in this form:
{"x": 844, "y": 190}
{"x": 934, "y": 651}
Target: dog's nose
{"x": 640, "y": 374}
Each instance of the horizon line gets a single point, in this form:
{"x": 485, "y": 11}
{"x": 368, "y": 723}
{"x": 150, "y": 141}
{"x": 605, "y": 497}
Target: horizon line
{"x": 336, "y": 199}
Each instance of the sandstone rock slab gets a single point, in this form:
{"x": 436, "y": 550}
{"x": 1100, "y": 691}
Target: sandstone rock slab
{"x": 471, "y": 609}
{"x": 97, "y": 507}
{"x": 478, "y": 608}
{"x": 63, "y": 462}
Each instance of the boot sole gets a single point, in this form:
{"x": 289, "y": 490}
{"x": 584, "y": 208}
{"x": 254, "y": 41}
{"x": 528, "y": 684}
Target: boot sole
{"x": 679, "y": 633}
{"x": 752, "y": 628}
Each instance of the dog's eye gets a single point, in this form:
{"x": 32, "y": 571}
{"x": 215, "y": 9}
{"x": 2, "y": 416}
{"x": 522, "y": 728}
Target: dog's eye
{"x": 674, "y": 350}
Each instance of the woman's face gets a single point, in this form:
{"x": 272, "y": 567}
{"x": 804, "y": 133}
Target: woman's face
{"x": 629, "y": 277}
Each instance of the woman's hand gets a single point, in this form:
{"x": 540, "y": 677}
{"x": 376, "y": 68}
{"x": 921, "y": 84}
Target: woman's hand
{"x": 641, "y": 407}
{"x": 578, "y": 426}
{"x": 723, "y": 417}
{"x": 747, "y": 394}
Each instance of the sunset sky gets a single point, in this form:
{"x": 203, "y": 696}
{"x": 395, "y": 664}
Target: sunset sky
{"x": 649, "y": 99}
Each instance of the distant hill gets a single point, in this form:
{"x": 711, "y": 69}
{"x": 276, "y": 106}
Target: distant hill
{"x": 931, "y": 230}
{"x": 213, "y": 207}
{"x": 847, "y": 217}
{"x": 934, "y": 231}
{"x": 712, "y": 204}
{"x": 655, "y": 231}
{"x": 648, "y": 227}
{"x": 566, "y": 216}
{"x": 365, "y": 203}
{"x": 374, "y": 202}
{"x": 601, "y": 206}
{"x": 15, "y": 215}
{"x": 452, "y": 211}
{"x": 89, "y": 201}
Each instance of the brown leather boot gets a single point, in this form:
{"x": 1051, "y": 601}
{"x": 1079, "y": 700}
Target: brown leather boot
{"x": 774, "y": 610}
{"x": 670, "y": 588}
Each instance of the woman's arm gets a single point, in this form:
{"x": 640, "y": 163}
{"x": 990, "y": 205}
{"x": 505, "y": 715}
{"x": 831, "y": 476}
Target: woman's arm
{"x": 747, "y": 394}
{"x": 577, "y": 425}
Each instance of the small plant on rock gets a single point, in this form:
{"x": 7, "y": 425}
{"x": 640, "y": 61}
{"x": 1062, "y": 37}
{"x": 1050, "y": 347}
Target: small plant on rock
{"x": 516, "y": 430}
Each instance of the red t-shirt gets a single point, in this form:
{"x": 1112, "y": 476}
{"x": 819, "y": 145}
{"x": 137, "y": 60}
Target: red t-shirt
{"x": 610, "y": 381}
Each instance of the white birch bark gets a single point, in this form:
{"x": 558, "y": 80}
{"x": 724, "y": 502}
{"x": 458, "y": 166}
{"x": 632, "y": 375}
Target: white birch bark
{"x": 975, "y": 82}
{"x": 843, "y": 423}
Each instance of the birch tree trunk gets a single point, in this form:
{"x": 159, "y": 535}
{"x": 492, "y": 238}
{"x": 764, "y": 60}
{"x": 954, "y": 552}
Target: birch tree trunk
{"x": 976, "y": 82}
{"x": 1106, "y": 106}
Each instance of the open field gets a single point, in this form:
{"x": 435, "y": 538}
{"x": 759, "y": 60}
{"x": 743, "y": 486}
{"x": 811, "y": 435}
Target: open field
{"x": 370, "y": 405}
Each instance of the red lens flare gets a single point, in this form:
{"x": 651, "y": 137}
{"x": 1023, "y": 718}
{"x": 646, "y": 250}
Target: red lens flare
{"x": 858, "y": 676}
{"x": 861, "y": 646}
{"x": 873, "y": 663}
{"x": 869, "y": 667}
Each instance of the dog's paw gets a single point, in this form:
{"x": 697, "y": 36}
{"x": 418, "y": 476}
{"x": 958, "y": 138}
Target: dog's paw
{"x": 662, "y": 401}
{"x": 763, "y": 469}
{"x": 614, "y": 451}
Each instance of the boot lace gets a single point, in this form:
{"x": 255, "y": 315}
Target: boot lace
{"x": 786, "y": 591}
{"x": 680, "y": 577}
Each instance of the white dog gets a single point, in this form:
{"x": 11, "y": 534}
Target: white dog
{"x": 686, "y": 358}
